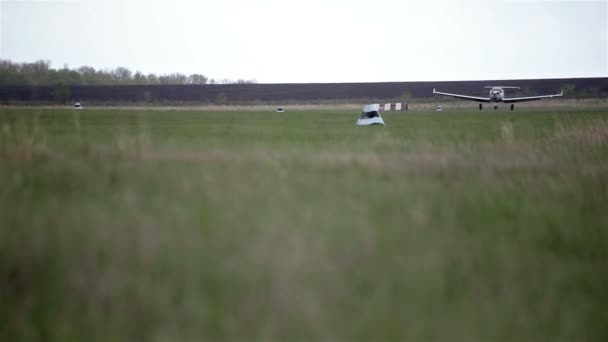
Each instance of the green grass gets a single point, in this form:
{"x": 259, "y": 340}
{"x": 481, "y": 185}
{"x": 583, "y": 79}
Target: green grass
{"x": 186, "y": 225}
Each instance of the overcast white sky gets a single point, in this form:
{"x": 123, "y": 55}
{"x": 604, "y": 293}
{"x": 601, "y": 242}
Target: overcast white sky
{"x": 315, "y": 40}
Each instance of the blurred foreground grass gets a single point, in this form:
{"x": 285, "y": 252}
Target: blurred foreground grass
{"x": 135, "y": 225}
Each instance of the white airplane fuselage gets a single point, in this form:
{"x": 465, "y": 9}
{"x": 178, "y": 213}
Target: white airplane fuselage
{"x": 497, "y": 94}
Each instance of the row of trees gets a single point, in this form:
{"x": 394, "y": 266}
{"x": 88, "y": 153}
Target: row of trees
{"x": 41, "y": 73}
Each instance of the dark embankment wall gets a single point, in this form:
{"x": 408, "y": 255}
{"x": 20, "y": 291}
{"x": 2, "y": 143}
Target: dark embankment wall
{"x": 235, "y": 93}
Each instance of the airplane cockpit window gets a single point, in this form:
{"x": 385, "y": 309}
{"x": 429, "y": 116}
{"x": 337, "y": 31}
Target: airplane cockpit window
{"x": 369, "y": 115}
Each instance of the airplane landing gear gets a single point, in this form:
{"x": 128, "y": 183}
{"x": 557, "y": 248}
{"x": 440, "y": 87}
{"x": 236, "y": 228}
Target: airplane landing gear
{"x": 480, "y": 106}
{"x": 512, "y": 106}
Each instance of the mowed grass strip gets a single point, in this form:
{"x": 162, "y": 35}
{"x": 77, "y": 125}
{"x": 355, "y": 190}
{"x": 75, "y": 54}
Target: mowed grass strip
{"x": 177, "y": 225}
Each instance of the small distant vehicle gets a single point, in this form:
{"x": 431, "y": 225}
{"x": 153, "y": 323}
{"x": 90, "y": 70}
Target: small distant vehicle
{"x": 497, "y": 94}
{"x": 77, "y": 105}
{"x": 439, "y": 109}
{"x": 370, "y": 116}
{"x": 280, "y": 110}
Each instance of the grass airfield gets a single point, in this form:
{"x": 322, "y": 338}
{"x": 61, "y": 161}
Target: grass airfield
{"x": 229, "y": 225}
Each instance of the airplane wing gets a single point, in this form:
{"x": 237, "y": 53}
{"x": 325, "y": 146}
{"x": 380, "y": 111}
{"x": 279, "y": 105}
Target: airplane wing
{"x": 530, "y": 98}
{"x": 463, "y": 97}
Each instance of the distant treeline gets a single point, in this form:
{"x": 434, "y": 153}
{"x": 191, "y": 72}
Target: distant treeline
{"x": 40, "y": 73}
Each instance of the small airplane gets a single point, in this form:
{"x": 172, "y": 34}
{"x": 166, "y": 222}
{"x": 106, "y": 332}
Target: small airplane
{"x": 497, "y": 94}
